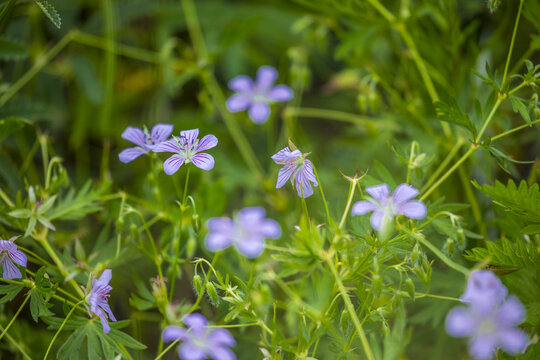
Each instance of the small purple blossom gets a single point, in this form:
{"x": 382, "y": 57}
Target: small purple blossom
{"x": 200, "y": 341}
{"x": 145, "y": 141}
{"x": 9, "y": 254}
{"x": 187, "y": 148}
{"x": 488, "y": 323}
{"x": 257, "y": 96}
{"x": 382, "y": 204}
{"x": 297, "y": 168}
{"x": 247, "y": 232}
{"x": 99, "y": 299}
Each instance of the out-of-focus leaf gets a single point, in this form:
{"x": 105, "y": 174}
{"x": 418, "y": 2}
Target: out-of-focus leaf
{"x": 10, "y": 125}
{"x": 50, "y": 11}
{"x": 11, "y": 49}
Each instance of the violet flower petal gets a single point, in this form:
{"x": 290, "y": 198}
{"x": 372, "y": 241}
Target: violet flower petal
{"x": 302, "y": 185}
{"x": 363, "y": 207}
{"x": 134, "y": 135}
{"x": 238, "y": 102}
{"x": 221, "y": 224}
{"x": 484, "y": 290}
{"x": 270, "y": 229}
{"x": 259, "y": 112}
{"x": 286, "y": 156}
{"x": 512, "y": 340}
{"x": 284, "y": 175}
{"x": 203, "y": 161}
{"x": 460, "y": 323}
{"x": 379, "y": 192}
{"x": 190, "y": 135}
{"x": 376, "y": 219}
{"x": 482, "y": 347}
{"x": 161, "y": 132}
{"x": 172, "y": 333}
{"x": 10, "y": 270}
{"x": 167, "y": 146}
{"x": 172, "y": 164}
{"x": 414, "y": 209}
{"x": 130, "y": 154}
{"x": 18, "y": 257}
{"x": 250, "y": 247}
{"x": 266, "y": 75}
{"x": 511, "y": 312}
{"x": 251, "y": 216}
{"x": 221, "y": 353}
{"x": 189, "y": 351}
{"x": 104, "y": 322}
{"x": 216, "y": 241}
{"x": 241, "y": 84}
{"x": 195, "y": 321}
{"x": 307, "y": 169}
{"x": 221, "y": 336}
{"x": 207, "y": 142}
{"x": 403, "y": 193}
{"x": 280, "y": 93}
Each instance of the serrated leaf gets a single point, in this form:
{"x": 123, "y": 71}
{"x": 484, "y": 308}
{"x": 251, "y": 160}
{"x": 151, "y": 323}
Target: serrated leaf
{"x": 126, "y": 340}
{"x": 505, "y": 254}
{"x": 9, "y": 291}
{"x": 12, "y": 50}
{"x": 39, "y": 306}
{"x": 450, "y": 112}
{"x": 50, "y": 11}
{"x": 519, "y": 107}
{"x": 74, "y": 206}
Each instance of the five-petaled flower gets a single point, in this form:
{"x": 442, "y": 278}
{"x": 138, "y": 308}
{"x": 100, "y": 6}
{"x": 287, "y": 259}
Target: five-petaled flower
{"x": 200, "y": 341}
{"x": 99, "y": 297}
{"x": 298, "y": 168}
{"x": 188, "y": 149}
{"x": 247, "y": 232}
{"x": 257, "y": 95}
{"x": 384, "y": 205}
{"x": 9, "y": 254}
{"x": 145, "y": 141}
{"x": 489, "y": 323}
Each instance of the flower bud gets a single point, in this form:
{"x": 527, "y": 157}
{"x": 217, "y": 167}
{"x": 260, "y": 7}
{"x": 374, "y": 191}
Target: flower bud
{"x": 120, "y": 224}
{"x": 449, "y": 247}
{"x": 197, "y": 284}
{"x": 409, "y": 285}
{"x": 344, "y": 320}
{"x": 134, "y": 231}
{"x": 212, "y": 293}
{"x": 460, "y": 237}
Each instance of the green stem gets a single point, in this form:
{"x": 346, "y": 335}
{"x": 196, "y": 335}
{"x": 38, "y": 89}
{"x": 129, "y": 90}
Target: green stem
{"x": 511, "y": 131}
{"x": 330, "y": 115}
{"x": 490, "y": 116}
{"x": 304, "y": 206}
{"x": 161, "y": 354}
{"x": 350, "y": 309}
{"x": 352, "y": 188}
{"x": 511, "y": 45}
{"x": 60, "y": 328}
{"x": 206, "y": 279}
{"x": 444, "y": 163}
{"x": 328, "y": 217}
{"x": 110, "y": 67}
{"x": 16, "y": 314}
{"x": 184, "y": 196}
{"x": 194, "y": 28}
{"x": 39, "y": 64}
{"x": 421, "y": 239}
{"x": 410, "y": 165}
{"x": 17, "y": 344}
{"x": 6, "y": 199}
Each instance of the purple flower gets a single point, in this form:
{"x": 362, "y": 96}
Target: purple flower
{"x": 247, "y": 232}
{"x": 10, "y": 255}
{"x": 99, "y": 297}
{"x": 187, "y": 148}
{"x": 488, "y": 323}
{"x": 382, "y": 204}
{"x": 144, "y": 140}
{"x": 257, "y": 96}
{"x": 199, "y": 340}
{"x": 484, "y": 290}
{"x": 297, "y": 168}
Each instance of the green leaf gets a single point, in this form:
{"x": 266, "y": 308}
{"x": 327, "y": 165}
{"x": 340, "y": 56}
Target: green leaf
{"x": 39, "y": 306}
{"x": 451, "y": 112}
{"x": 10, "y": 124}
{"x": 21, "y": 213}
{"x": 73, "y": 207}
{"x": 50, "y": 11}
{"x": 12, "y": 50}
{"x": 9, "y": 291}
{"x": 519, "y": 106}
{"x": 126, "y": 340}
{"x": 503, "y": 253}
{"x": 531, "y": 229}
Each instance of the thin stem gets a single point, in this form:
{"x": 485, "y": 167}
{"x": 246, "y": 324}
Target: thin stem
{"x": 16, "y": 314}
{"x": 511, "y": 131}
{"x": 444, "y": 163}
{"x": 16, "y": 344}
{"x": 206, "y": 279}
{"x": 352, "y": 188}
{"x": 421, "y": 239}
{"x": 304, "y": 205}
{"x": 161, "y": 354}
{"x": 184, "y": 196}
{"x": 195, "y": 32}
{"x": 330, "y": 115}
{"x": 410, "y": 165}
{"x": 490, "y": 116}
{"x": 61, "y": 327}
{"x": 328, "y": 217}
{"x": 512, "y": 44}
{"x": 6, "y": 199}
{"x": 350, "y": 308}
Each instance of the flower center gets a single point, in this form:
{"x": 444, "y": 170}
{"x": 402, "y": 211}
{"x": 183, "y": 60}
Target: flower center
{"x": 186, "y": 146}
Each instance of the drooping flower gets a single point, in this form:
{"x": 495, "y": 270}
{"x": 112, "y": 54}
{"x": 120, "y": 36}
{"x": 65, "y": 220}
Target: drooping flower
{"x": 99, "y": 299}
{"x": 145, "y": 141}
{"x": 257, "y": 96}
{"x": 489, "y": 325}
{"x": 246, "y": 232}
{"x": 297, "y": 168}
{"x": 188, "y": 149}
{"x": 9, "y": 254}
{"x": 199, "y": 340}
{"x": 382, "y": 204}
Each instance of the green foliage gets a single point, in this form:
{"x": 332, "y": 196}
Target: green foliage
{"x": 49, "y": 10}
{"x": 451, "y": 112}
{"x": 11, "y": 50}
{"x": 503, "y": 253}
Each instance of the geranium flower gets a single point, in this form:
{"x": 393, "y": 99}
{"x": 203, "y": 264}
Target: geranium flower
{"x": 10, "y": 255}
{"x": 297, "y": 168}
{"x": 99, "y": 299}
{"x": 144, "y": 140}
{"x": 187, "y": 148}
{"x": 246, "y": 232}
{"x": 382, "y": 204}
{"x": 489, "y": 325}
{"x": 200, "y": 341}
{"x": 257, "y": 96}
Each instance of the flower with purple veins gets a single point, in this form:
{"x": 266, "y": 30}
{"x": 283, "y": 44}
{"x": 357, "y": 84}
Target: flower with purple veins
{"x": 489, "y": 325}
{"x": 99, "y": 299}
{"x": 187, "y": 148}
{"x": 200, "y": 341}
{"x": 145, "y": 141}
{"x": 382, "y": 204}
{"x": 257, "y": 96}
{"x": 10, "y": 255}
{"x": 297, "y": 168}
{"x": 246, "y": 232}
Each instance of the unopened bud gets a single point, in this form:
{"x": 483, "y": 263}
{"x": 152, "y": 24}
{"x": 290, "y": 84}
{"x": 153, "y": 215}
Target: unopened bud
{"x": 197, "y": 284}
{"x": 212, "y": 294}
{"x": 409, "y": 284}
